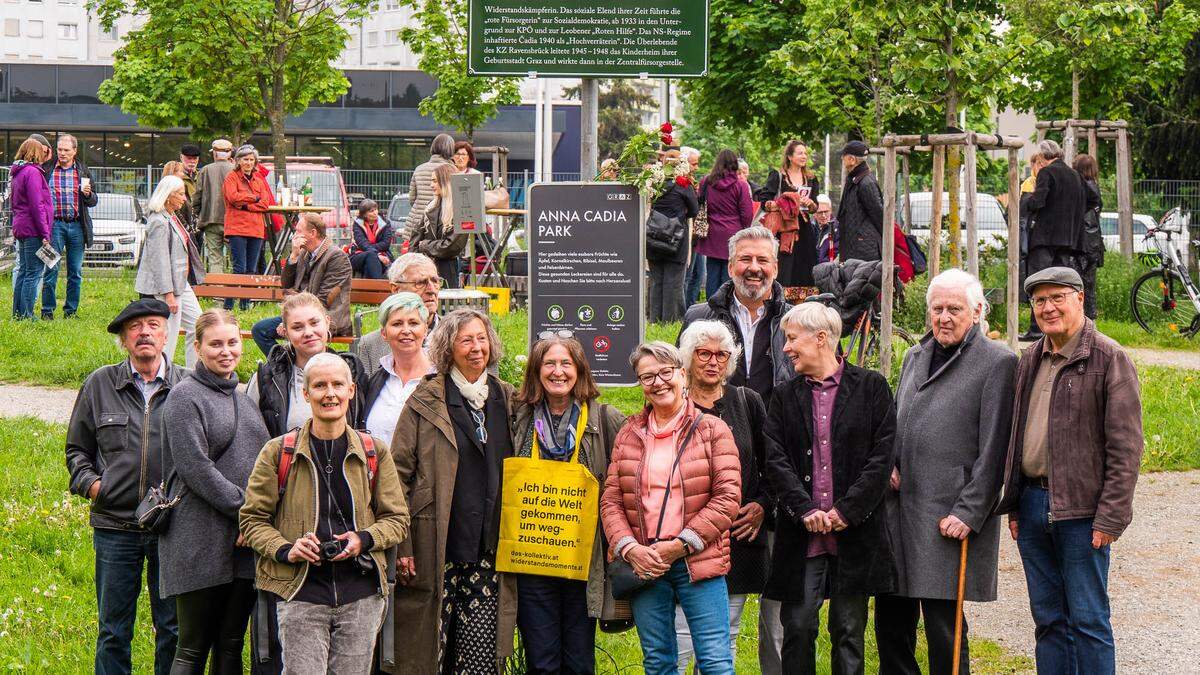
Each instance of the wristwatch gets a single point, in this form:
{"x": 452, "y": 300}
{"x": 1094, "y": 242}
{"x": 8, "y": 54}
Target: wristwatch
{"x": 687, "y": 548}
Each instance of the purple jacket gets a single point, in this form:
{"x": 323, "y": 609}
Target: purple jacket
{"x": 32, "y": 211}
{"x": 730, "y": 209}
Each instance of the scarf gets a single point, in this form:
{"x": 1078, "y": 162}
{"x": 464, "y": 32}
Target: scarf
{"x": 475, "y": 393}
{"x": 557, "y": 443}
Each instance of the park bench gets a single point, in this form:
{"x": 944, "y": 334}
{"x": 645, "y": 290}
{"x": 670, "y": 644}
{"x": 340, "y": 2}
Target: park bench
{"x": 263, "y": 287}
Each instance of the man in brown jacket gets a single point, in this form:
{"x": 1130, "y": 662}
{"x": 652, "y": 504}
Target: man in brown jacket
{"x": 1072, "y": 465}
{"x": 317, "y": 266}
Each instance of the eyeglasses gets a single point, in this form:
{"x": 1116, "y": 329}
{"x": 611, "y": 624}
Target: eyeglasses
{"x": 648, "y": 379}
{"x": 706, "y": 355}
{"x": 562, "y": 333}
{"x": 1057, "y": 299}
{"x": 480, "y": 429}
{"x": 435, "y": 282}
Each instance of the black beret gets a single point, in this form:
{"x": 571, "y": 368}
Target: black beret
{"x": 190, "y": 150}
{"x": 138, "y": 308}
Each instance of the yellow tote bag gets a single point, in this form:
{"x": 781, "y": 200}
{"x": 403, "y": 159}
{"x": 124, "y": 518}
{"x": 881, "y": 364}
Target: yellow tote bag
{"x": 548, "y": 514}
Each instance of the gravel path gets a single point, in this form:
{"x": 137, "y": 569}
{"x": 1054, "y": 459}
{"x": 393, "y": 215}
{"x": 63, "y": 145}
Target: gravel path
{"x": 47, "y": 403}
{"x": 1188, "y": 360}
{"x": 1152, "y": 584}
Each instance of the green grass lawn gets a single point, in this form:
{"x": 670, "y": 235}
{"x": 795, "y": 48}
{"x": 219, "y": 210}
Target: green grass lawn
{"x": 47, "y": 596}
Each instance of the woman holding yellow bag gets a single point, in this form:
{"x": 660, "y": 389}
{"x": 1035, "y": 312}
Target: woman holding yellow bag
{"x": 559, "y": 417}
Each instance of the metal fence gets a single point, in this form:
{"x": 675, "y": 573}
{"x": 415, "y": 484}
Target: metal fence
{"x": 377, "y": 184}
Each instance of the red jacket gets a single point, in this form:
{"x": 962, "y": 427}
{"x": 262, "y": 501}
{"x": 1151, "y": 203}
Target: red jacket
{"x": 245, "y": 203}
{"x": 712, "y": 489}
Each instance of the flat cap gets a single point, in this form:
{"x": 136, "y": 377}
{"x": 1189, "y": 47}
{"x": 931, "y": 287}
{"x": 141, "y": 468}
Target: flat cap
{"x": 189, "y": 150}
{"x": 139, "y": 308}
{"x": 855, "y": 149}
{"x": 40, "y": 139}
{"x": 222, "y": 144}
{"x": 1059, "y": 276}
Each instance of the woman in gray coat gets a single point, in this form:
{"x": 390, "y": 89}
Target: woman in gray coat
{"x": 170, "y": 264}
{"x": 214, "y": 433}
{"x": 954, "y": 411}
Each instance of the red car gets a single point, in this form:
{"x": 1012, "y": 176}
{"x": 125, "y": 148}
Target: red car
{"x": 328, "y": 190}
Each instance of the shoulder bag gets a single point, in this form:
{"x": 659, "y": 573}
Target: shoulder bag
{"x": 624, "y": 581}
{"x": 664, "y": 235}
{"x": 700, "y": 222}
{"x": 154, "y": 511}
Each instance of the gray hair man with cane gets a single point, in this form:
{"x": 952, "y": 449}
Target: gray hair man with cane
{"x": 954, "y": 412}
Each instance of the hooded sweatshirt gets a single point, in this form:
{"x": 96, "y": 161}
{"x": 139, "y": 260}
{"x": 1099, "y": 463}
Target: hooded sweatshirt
{"x": 730, "y": 209}
{"x": 32, "y": 210}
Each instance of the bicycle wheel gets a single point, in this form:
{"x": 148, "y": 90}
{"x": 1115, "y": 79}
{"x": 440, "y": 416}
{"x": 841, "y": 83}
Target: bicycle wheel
{"x": 868, "y": 354}
{"x": 1160, "y": 304}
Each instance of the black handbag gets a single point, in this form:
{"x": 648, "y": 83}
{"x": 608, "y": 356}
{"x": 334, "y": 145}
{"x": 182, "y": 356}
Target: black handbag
{"x": 153, "y": 513}
{"x": 624, "y": 581}
{"x": 664, "y": 235}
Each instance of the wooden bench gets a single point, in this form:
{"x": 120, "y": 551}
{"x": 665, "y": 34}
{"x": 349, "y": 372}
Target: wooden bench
{"x": 266, "y": 288}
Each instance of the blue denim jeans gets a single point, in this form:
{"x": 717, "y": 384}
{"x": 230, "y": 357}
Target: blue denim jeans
{"x": 706, "y": 606}
{"x": 243, "y": 257}
{"x": 716, "y": 273}
{"x": 69, "y": 241}
{"x": 120, "y": 557}
{"x": 27, "y": 277}
{"x": 695, "y": 280}
{"x": 1068, "y": 590}
{"x": 265, "y": 334}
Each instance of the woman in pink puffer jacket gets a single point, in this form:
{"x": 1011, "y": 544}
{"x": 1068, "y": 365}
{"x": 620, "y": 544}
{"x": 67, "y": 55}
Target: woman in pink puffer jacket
{"x": 668, "y": 512}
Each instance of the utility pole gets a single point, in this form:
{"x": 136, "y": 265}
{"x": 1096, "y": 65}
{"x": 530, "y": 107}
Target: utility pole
{"x": 589, "y": 123}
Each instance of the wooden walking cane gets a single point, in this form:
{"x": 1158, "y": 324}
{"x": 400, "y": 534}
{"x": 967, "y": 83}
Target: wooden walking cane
{"x": 958, "y": 616}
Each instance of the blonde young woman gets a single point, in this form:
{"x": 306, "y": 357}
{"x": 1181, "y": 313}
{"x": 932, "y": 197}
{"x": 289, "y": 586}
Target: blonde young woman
{"x": 435, "y": 238}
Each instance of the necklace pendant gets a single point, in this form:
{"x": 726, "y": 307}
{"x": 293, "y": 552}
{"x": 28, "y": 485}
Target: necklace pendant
{"x": 328, "y": 468}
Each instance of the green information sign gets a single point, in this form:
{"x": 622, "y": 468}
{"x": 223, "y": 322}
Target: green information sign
{"x": 588, "y": 38}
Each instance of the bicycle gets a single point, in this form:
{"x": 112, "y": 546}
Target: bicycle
{"x": 861, "y": 346}
{"x": 1165, "y": 299}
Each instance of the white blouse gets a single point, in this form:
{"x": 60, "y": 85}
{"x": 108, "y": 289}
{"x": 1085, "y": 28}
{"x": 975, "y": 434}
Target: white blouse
{"x": 385, "y": 413}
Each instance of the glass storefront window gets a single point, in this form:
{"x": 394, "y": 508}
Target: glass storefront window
{"x": 31, "y": 84}
{"x": 368, "y": 89}
{"x": 79, "y": 84}
{"x": 91, "y": 149}
{"x": 409, "y": 87}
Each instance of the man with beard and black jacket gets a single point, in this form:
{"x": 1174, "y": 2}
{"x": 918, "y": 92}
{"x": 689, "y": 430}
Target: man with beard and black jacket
{"x": 114, "y": 453}
{"x": 860, "y": 211}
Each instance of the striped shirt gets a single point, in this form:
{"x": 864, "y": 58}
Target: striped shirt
{"x": 64, "y": 190}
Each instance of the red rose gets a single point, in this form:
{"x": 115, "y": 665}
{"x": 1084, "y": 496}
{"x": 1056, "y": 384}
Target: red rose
{"x": 666, "y": 128}
{"x": 667, "y": 139}
{"x": 683, "y": 181}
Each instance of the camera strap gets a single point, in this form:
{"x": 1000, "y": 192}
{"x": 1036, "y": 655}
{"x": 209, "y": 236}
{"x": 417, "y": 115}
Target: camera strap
{"x": 288, "y": 456}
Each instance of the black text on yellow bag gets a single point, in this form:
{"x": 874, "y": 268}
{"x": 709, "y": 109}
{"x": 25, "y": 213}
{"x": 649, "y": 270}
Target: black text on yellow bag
{"x": 549, "y": 513}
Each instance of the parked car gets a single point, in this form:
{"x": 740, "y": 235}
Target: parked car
{"x": 329, "y": 190}
{"x": 397, "y": 210}
{"x": 990, "y": 219}
{"x": 118, "y": 228}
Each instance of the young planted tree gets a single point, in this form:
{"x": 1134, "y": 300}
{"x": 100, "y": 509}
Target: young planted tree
{"x": 438, "y": 35}
{"x": 264, "y": 59}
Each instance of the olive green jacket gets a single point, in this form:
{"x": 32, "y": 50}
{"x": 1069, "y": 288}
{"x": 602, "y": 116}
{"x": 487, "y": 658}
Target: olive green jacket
{"x": 270, "y": 522}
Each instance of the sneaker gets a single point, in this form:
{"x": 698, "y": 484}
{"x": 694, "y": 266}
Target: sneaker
{"x": 47, "y": 316}
{"x": 71, "y": 315}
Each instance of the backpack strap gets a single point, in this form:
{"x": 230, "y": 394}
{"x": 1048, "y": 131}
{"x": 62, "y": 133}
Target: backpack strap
{"x": 368, "y": 442}
{"x": 285, "y": 459}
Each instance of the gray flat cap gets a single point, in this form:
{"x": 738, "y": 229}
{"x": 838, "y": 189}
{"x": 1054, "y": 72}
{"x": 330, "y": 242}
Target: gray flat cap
{"x": 1059, "y": 276}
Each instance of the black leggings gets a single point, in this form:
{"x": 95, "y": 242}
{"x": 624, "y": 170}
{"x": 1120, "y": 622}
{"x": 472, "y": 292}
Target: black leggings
{"x": 213, "y": 620}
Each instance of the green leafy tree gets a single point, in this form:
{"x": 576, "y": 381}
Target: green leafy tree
{"x": 1097, "y": 59}
{"x": 1167, "y": 140}
{"x": 264, "y": 60}
{"x": 438, "y": 35}
{"x": 744, "y": 85}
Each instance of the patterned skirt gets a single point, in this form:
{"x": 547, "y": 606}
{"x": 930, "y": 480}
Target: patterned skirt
{"x": 470, "y": 618}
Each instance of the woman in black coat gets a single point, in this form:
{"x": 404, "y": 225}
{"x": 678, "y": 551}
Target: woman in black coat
{"x": 666, "y": 271}
{"x": 828, "y": 472}
{"x": 371, "y": 253}
{"x": 710, "y": 356}
{"x": 1091, "y": 245}
{"x": 795, "y": 175}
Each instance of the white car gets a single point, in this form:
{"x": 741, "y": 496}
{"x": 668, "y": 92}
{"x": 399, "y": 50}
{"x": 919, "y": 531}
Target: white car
{"x": 990, "y": 220}
{"x": 118, "y": 229}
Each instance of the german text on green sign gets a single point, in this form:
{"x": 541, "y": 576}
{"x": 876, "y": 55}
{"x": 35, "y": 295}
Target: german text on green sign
{"x": 589, "y": 38}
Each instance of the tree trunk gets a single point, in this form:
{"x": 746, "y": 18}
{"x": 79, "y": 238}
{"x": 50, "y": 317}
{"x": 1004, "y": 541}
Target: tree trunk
{"x": 276, "y": 114}
{"x": 953, "y": 153}
{"x": 236, "y": 132}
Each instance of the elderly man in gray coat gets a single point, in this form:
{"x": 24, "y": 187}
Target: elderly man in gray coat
{"x": 954, "y": 412}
